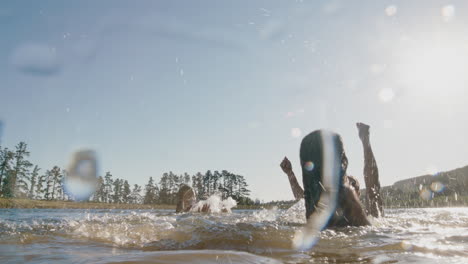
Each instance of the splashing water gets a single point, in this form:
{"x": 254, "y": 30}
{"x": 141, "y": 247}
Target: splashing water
{"x": 430, "y": 235}
{"x": 214, "y": 204}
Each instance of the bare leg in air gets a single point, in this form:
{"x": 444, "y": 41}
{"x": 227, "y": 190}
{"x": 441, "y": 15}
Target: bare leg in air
{"x": 371, "y": 174}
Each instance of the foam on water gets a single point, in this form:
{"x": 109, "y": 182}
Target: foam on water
{"x": 215, "y": 204}
{"x": 403, "y": 235}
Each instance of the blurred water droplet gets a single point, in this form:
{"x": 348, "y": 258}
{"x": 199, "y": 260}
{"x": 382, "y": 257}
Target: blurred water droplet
{"x": 81, "y": 181}
{"x": 296, "y": 132}
{"x": 391, "y": 10}
{"x": 405, "y": 245}
{"x": 386, "y": 95}
{"x": 425, "y": 194}
{"x": 437, "y": 187}
{"x": 448, "y": 12}
{"x": 377, "y": 68}
{"x": 309, "y": 165}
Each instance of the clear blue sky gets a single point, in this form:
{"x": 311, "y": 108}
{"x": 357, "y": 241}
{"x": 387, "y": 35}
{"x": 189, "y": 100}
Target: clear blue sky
{"x": 187, "y": 86}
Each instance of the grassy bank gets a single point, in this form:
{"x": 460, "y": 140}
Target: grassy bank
{"x": 26, "y": 203}
{"x": 41, "y": 204}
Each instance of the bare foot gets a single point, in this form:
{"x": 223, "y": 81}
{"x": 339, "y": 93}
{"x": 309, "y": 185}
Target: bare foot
{"x": 363, "y": 130}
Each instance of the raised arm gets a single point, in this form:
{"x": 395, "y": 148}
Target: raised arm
{"x": 371, "y": 174}
{"x": 296, "y": 188}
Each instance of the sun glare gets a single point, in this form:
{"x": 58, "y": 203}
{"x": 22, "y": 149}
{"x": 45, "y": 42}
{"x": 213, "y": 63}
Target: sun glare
{"x": 432, "y": 68}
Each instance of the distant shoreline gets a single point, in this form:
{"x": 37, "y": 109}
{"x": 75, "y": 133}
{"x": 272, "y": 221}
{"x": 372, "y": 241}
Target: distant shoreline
{"x": 43, "y": 204}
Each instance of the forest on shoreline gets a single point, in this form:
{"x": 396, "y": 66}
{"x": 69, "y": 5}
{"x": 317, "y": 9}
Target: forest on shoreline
{"x": 22, "y": 185}
{"x": 21, "y": 180}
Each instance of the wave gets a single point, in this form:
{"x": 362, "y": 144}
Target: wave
{"x": 419, "y": 233}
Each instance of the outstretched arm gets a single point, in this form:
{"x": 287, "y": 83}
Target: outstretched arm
{"x": 371, "y": 174}
{"x": 296, "y": 188}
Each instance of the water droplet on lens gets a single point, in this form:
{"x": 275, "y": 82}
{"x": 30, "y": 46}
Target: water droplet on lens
{"x": 309, "y": 165}
{"x": 437, "y": 187}
{"x": 405, "y": 245}
{"x": 391, "y": 10}
{"x": 448, "y": 12}
{"x": 296, "y": 132}
{"x": 386, "y": 95}
{"x": 425, "y": 194}
{"x": 81, "y": 181}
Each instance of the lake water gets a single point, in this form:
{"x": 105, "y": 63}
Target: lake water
{"x": 244, "y": 236}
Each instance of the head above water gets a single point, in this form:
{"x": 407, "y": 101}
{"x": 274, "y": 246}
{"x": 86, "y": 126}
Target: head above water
{"x": 312, "y": 150}
{"x": 324, "y": 149}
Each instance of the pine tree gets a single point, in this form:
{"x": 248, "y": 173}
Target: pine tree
{"x": 34, "y": 179}
{"x": 150, "y": 196}
{"x": 242, "y": 193}
{"x": 197, "y": 184}
{"x": 207, "y": 182}
{"x": 164, "y": 190}
{"x": 173, "y": 187}
{"x": 227, "y": 183}
{"x": 108, "y": 187}
{"x": 117, "y": 196}
{"x": 62, "y": 195}
{"x": 16, "y": 181}
{"x": 6, "y": 156}
{"x": 39, "y": 187}
{"x": 216, "y": 181}
{"x": 48, "y": 185}
{"x": 136, "y": 194}
{"x": 55, "y": 179}
{"x": 99, "y": 195}
{"x": 126, "y": 192}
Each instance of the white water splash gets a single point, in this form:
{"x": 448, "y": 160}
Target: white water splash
{"x": 214, "y": 204}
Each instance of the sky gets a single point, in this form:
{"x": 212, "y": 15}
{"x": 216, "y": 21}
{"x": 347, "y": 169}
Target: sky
{"x": 190, "y": 86}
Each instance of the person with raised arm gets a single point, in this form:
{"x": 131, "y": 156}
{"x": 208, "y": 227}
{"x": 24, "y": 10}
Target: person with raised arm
{"x": 348, "y": 210}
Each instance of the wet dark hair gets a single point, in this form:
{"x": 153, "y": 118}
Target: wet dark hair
{"x": 312, "y": 149}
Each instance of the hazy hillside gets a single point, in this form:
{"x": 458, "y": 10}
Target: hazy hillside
{"x": 442, "y": 189}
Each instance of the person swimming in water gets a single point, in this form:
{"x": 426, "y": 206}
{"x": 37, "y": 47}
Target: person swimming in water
{"x": 187, "y": 202}
{"x": 349, "y": 211}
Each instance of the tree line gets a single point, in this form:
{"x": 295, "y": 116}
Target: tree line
{"x": 19, "y": 178}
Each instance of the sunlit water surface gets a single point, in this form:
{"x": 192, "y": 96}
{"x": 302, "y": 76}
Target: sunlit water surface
{"x": 244, "y": 236}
